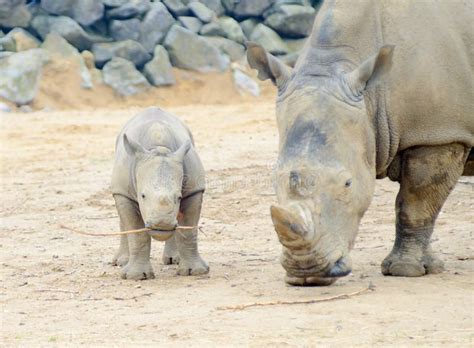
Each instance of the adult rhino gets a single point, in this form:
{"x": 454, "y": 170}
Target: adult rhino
{"x": 348, "y": 113}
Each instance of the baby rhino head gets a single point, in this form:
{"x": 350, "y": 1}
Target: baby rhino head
{"x": 159, "y": 181}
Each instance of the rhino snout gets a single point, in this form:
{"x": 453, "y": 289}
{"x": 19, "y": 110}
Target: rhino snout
{"x": 165, "y": 225}
{"x": 341, "y": 268}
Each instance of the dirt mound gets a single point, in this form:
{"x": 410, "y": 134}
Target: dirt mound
{"x": 60, "y": 89}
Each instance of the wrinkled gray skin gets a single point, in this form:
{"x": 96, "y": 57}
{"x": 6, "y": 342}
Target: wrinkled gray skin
{"x": 355, "y": 108}
{"x": 157, "y": 182}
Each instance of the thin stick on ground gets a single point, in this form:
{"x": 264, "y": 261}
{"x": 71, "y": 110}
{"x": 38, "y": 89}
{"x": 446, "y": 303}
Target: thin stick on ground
{"x": 56, "y": 290}
{"x": 140, "y": 230}
{"x": 370, "y": 287}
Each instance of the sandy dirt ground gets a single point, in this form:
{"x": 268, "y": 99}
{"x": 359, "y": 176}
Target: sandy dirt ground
{"x": 59, "y": 288}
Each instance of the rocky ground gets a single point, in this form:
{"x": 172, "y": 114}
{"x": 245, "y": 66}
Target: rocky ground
{"x": 59, "y": 288}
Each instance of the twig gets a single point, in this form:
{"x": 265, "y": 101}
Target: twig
{"x": 370, "y": 287}
{"x": 374, "y": 247}
{"x": 140, "y": 230}
{"x": 133, "y": 297}
{"x": 56, "y": 290}
{"x": 101, "y": 217}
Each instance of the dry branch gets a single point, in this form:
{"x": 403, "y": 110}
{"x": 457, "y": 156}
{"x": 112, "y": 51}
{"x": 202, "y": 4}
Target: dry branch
{"x": 140, "y": 230}
{"x": 370, "y": 287}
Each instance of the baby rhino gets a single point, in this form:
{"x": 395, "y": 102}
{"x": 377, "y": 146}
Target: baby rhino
{"x": 157, "y": 182}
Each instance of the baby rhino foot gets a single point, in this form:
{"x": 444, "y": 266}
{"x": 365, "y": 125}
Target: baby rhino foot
{"x": 120, "y": 260}
{"x": 138, "y": 271}
{"x": 195, "y": 267}
{"x": 403, "y": 265}
{"x": 170, "y": 259}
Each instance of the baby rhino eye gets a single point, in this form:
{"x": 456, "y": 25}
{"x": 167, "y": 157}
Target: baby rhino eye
{"x": 143, "y": 195}
{"x": 348, "y": 183}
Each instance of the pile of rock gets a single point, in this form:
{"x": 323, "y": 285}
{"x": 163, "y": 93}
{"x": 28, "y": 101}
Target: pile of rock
{"x": 135, "y": 43}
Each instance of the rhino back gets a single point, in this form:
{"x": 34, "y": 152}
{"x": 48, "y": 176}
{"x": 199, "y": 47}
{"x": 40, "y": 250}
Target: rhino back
{"x": 427, "y": 99}
{"x": 430, "y": 87}
{"x": 150, "y": 128}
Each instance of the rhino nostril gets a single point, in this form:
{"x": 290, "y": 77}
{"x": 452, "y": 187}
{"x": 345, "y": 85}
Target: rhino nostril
{"x": 341, "y": 268}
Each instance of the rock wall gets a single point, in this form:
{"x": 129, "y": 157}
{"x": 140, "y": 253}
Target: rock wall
{"x": 132, "y": 45}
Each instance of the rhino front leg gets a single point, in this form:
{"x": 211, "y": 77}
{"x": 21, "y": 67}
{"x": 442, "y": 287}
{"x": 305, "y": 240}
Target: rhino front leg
{"x": 170, "y": 254}
{"x": 427, "y": 176}
{"x": 121, "y": 256}
{"x": 138, "y": 266}
{"x": 190, "y": 262}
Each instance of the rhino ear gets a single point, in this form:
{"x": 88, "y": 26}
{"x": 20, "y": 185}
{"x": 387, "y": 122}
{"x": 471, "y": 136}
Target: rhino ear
{"x": 182, "y": 151}
{"x": 268, "y": 66}
{"x": 132, "y": 147}
{"x": 372, "y": 71}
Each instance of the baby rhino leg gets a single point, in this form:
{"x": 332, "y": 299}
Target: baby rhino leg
{"x": 190, "y": 262}
{"x": 138, "y": 266}
{"x": 170, "y": 254}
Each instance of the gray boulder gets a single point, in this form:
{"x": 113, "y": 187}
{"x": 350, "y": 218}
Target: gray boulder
{"x": 248, "y": 26}
{"x": 268, "y": 39}
{"x": 232, "y": 29}
{"x": 155, "y": 26}
{"x": 234, "y": 50}
{"x": 127, "y": 49}
{"x": 295, "y": 45}
{"x": 64, "y": 26}
{"x": 128, "y": 29}
{"x": 20, "y": 74}
{"x": 176, "y": 7}
{"x": 212, "y": 29}
{"x": 5, "y": 108}
{"x": 201, "y": 11}
{"x": 18, "y": 40}
{"x": 57, "y": 46}
{"x": 214, "y": 5}
{"x": 121, "y": 75}
{"x": 191, "y": 23}
{"x": 85, "y": 12}
{"x": 159, "y": 71}
{"x": 292, "y": 20}
{"x": 245, "y": 84}
{"x": 131, "y": 8}
{"x": 190, "y": 51}
{"x": 114, "y": 3}
{"x": 14, "y": 13}
{"x": 250, "y": 8}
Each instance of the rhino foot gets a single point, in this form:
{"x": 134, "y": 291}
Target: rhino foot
{"x": 195, "y": 267}
{"x": 403, "y": 265}
{"x": 138, "y": 271}
{"x": 170, "y": 259}
{"x": 120, "y": 260}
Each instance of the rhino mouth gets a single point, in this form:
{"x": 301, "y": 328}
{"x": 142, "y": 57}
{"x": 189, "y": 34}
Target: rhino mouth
{"x": 309, "y": 281}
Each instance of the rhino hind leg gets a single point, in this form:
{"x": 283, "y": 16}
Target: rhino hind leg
{"x": 190, "y": 262}
{"x": 427, "y": 176}
{"x": 138, "y": 266}
{"x": 170, "y": 253}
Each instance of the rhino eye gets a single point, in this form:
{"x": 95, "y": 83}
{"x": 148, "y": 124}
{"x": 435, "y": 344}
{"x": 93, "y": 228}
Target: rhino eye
{"x": 143, "y": 195}
{"x": 348, "y": 183}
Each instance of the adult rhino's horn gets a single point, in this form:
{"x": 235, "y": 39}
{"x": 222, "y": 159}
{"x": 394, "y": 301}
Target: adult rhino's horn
{"x": 292, "y": 231}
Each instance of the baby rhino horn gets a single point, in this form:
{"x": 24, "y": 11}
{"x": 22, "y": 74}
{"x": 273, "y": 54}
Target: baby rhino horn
{"x": 290, "y": 228}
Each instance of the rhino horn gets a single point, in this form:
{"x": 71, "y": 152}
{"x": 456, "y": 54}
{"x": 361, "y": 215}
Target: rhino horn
{"x": 291, "y": 229}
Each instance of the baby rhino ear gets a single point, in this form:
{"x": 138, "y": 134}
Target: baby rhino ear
{"x": 133, "y": 148}
{"x": 182, "y": 151}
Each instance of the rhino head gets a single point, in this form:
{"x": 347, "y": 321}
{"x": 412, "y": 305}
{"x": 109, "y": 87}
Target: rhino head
{"x": 325, "y": 175}
{"x": 158, "y": 174}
